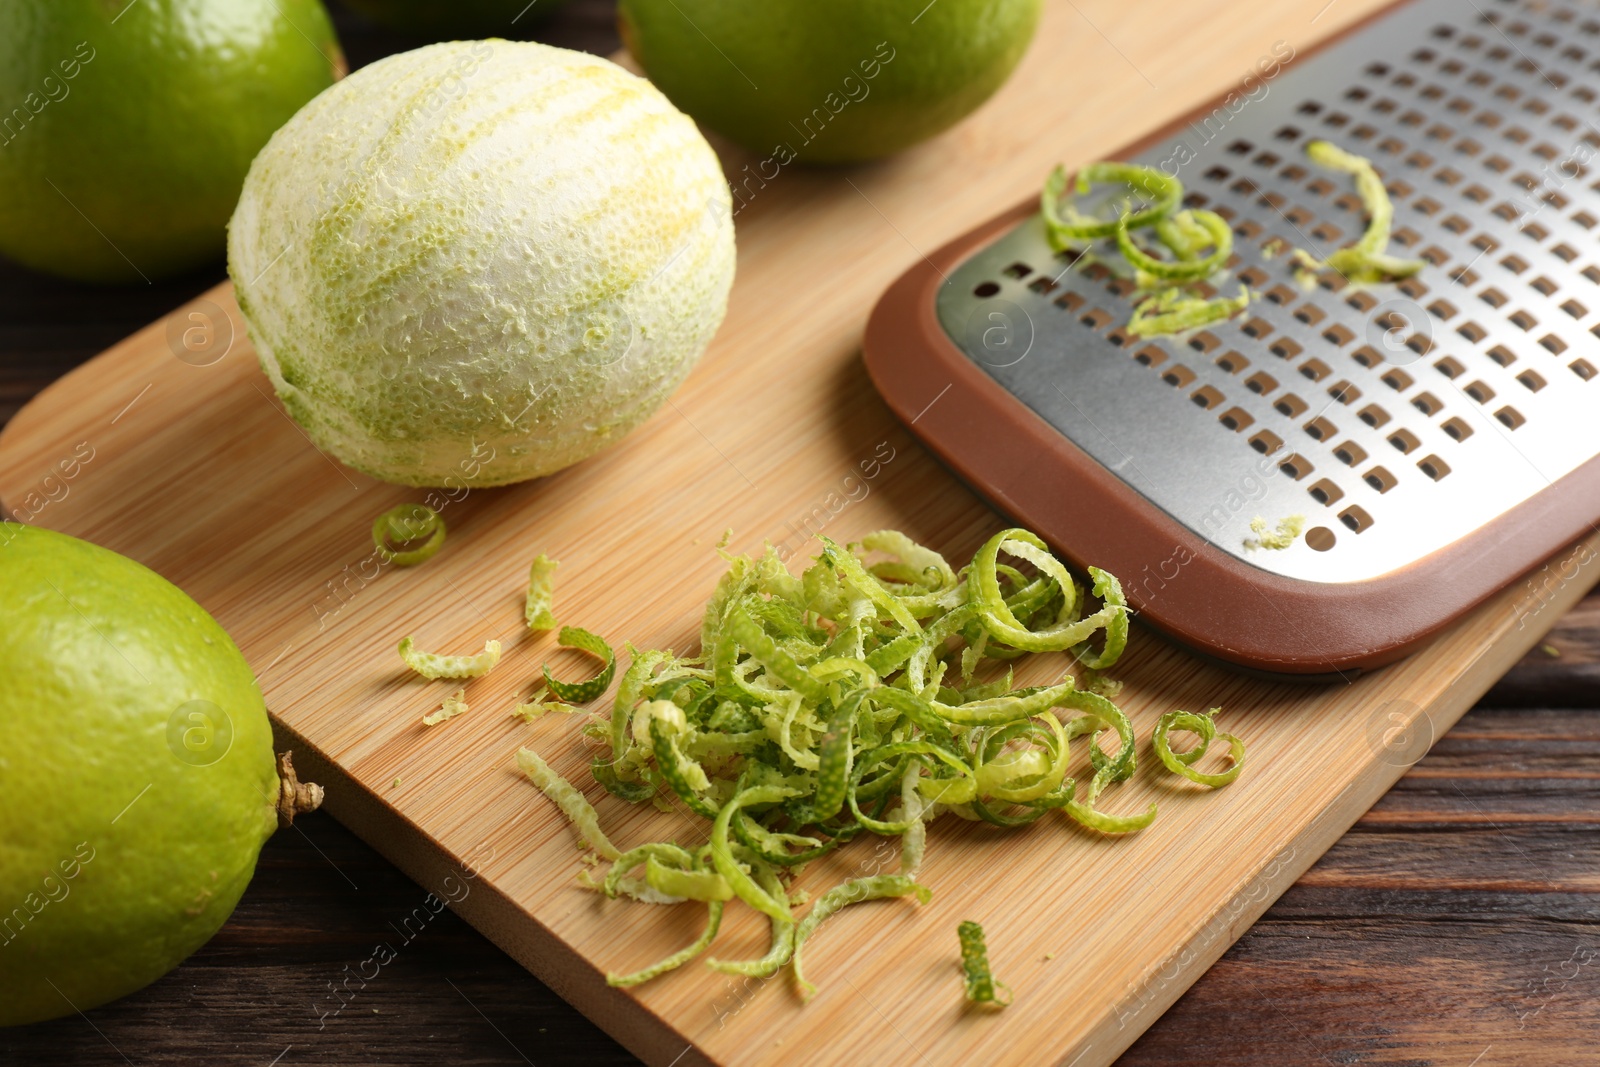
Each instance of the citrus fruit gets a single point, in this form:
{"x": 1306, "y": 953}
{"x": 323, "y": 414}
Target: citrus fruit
{"x": 481, "y": 262}
{"x": 136, "y": 779}
{"x": 131, "y": 124}
{"x": 457, "y": 19}
{"x": 827, "y": 81}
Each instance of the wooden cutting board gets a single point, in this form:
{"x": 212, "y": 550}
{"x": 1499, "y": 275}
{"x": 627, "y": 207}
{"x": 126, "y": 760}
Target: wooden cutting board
{"x": 170, "y": 448}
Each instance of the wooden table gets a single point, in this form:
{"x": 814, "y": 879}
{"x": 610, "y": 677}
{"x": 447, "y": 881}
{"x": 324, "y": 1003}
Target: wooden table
{"x": 1464, "y": 906}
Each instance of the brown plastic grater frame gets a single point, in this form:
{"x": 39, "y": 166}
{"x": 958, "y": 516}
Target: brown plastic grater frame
{"x": 1253, "y": 610}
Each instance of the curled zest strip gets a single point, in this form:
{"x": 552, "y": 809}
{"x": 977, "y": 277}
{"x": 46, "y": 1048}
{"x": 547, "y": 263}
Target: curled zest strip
{"x": 432, "y": 666}
{"x": 1066, "y": 226}
{"x": 1217, "y": 231}
{"x": 583, "y": 641}
{"x": 998, "y": 619}
{"x": 856, "y": 890}
{"x": 1109, "y": 590}
{"x": 744, "y": 887}
{"x": 980, "y": 984}
{"x": 454, "y": 704}
{"x": 1171, "y": 312}
{"x": 537, "y": 606}
{"x": 1179, "y": 762}
{"x": 1367, "y": 260}
{"x": 571, "y": 802}
{"x": 408, "y": 524}
{"x": 782, "y": 946}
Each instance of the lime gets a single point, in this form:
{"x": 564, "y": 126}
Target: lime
{"x": 458, "y": 19}
{"x": 131, "y": 123}
{"x": 827, "y": 81}
{"x": 481, "y": 261}
{"x": 136, "y": 779}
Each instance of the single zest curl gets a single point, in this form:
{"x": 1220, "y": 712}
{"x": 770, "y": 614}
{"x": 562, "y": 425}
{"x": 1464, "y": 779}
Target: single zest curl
{"x": 1206, "y": 728}
{"x": 408, "y": 524}
{"x": 1065, "y": 226}
{"x": 1175, "y": 233}
{"x": 594, "y": 645}
{"x": 432, "y": 666}
{"x": 1172, "y": 312}
{"x": 454, "y": 704}
{"x": 980, "y": 985}
{"x": 1367, "y": 260}
{"x": 538, "y": 604}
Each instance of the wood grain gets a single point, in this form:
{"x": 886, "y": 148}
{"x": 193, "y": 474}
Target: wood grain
{"x": 359, "y": 711}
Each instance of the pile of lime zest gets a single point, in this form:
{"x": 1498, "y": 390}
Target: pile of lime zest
{"x": 1367, "y": 260}
{"x": 1171, "y": 311}
{"x": 1067, "y": 227}
{"x": 870, "y": 694}
{"x": 1184, "y": 234}
{"x": 1278, "y": 538}
{"x": 540, "y": 705}
{"x": 538, "y": 607}
{"x": 433, "y": 667}
{"x": 980, "y": 984}
{"x": 408, "y": 524}
{"x": 1182, "y": 762}
{"x": 454, "y": 704}
{"x": 596, "y": 646}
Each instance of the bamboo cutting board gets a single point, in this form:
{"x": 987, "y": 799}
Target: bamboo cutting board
{"x": 170, "y": 448}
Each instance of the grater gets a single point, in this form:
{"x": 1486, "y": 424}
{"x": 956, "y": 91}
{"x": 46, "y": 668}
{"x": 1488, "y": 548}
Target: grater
{"x": 1439, "y": 435}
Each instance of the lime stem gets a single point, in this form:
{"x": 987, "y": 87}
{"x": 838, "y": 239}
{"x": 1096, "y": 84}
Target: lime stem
{"x": 294, "y": 796}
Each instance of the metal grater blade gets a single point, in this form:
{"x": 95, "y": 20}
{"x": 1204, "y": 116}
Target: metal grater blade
{"x": 1397, "y": 419}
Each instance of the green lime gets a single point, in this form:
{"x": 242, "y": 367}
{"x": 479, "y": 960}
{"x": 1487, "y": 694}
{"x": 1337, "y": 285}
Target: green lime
{"x": 457, "y": 20}
{"x": 136, "y": 779}
{"x": 131, "y": 123}
{"x": 827, "y": 81}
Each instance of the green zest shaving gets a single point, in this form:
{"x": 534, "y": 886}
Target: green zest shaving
{"x": 432, "y": 666}
{"x": 541, "y": 592}
{"x": 454, "y": 704}
{"x": 981, "y": 986}
{"x": 541, "y": 705}
{"x": 1180, "y": 762}
{"x": 1184, "y": 233}
{"x": 583, "y": 692}
{"x": 868, "y": 695}
{"x": 1170, "y": 311}
{"x": 1287, "y": 532}
{"x": 1066, "y": 226}
{"x": 408, "y": 524}
{"x": 1367, "y": 260}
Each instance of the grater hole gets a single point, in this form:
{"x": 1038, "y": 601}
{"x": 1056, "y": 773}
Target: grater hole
{"x": 1254, "y": 277}
{"x": 1413, "y": 287}
{"x": 1427, "y": 403}
{"x": 1479, "y": 391}
{"x": 1356, "y": 518}
{"x": 1373, "y": 415}
{"x": 1207, "y": 396}
{"x": 1121, "y": 286}
{"x": 984, "y": 290}
{"x": 1396, "y": 379}
{"x": 1266, "y": 442}
{"x": 1456, "y": 224}
{"x": 1502, "y": 355}
{"x": 1017, "y": 270}
{"x": 1042, "y": 285}
{"x": 1309, "y": 314}
{"x": 1380, "y": 479}
{"x": 1177, "y": 376}
{"x": 1321, "y": 429}
{"x": 1516, "y": 265}
{"x": 1260, "y": 383}
{"x": 1564, "y": 252}
{"x": 1204, "y": 341}
{"x": 1290, "y": 405}
{"x": 1427, "y": 205}
{"x": 1361, "y": 301}
{"x": 1575, "y": 309}
{"x": 1485, "y": 243}
{"x": 1257, "y": 328}
{"x": 1531, "y": 380}
{"x": 1420, "y": 343}
{"x": 1325, "y": 492}
{"x": 1344, "y": 392}
{"x": 1320, "y": 538}
{"x": 1493, "y": 297}
{"x": 1236, "y": 419}
{"x": 1280, "y": 294}
{"x": 1338, "y": 334}
{"x": 1433, "y": 467}
{"x": 1464, "y": 276}
{"x": 1510, "y": 417}
{"x": 1367, "y": 356}
{"x": 1522, "y": 320}
{"x": 1296, "y": 466}
{"x": 1583, "y": 369}
{"x": 1349, "y": 453}
{"x": 1442, "y": 309}
{"x": 1285, "y": 348}
{"x": 1553, "y": 344}
{"x": 1121, "y": 338}
{"x": 1069, "y": 301}
{"x": 1472, "y": 331}
{"x": 1314, "y": 369}
{"x": 1095, "y": 318}
{"x": 1150, "y": 356}
{"x": 1456, "y": 429}
{"x": 1232, "y": 362}
{"x": 1246, "y": 229}
{"x": 1405, "y": 441}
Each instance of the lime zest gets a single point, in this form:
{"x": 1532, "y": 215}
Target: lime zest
{"x": 1180, "y": 762}
{"x": 595, "y": 645}
{"x": 1276, "y": 539}
{"x": 980, "y": 984}
{"x": 677, "y": 959}
{"x": 571, "y": 802}
{"x": 408, "y": 524}
{"x": 1066, "y": 226}
{"x": 854, "y": 891}
{"x": 1367, "y": 260}
{"x": 454, "y": 704}
{"x": 538, "y": 606}
{"x": 540, "y": 705}
{"x": 1174, "y": 233}
{"x": 432, "y": 666}
{"x": 1170, "y": 311}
